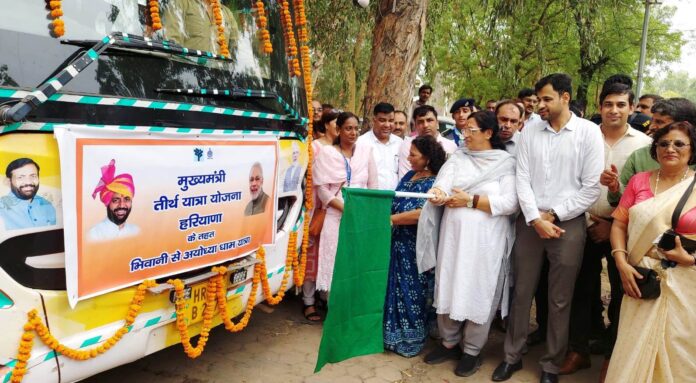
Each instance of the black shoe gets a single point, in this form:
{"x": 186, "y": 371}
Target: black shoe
{"x": 535, "y": 338}
{"x": 468, "y": 365}
{"x": 547, "y": 377}
{"x": 505, "y": 370}
{"x": 442, "y": 353}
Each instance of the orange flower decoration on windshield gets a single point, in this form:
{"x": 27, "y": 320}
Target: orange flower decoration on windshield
{"x": 222, "y": 38}
{"x": 56, "y": 12}
{"x": 290, "y": 41}
{"x": 262, "y": 23}
{"x": 155, "y": 15}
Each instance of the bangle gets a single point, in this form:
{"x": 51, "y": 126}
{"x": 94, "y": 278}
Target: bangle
{"x": 621, "y": 251}
{"x": 476, "y": 200}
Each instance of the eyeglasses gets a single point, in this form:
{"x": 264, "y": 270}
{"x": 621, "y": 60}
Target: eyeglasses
{"x": 470, "y": 130}
{"x": 678, "y": 144}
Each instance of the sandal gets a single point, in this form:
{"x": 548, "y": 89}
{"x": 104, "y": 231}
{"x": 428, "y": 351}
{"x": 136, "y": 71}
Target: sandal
{"x": 311, "y": 313}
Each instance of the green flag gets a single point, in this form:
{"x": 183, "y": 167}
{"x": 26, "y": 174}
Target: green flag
{"x": 353, "y": 326}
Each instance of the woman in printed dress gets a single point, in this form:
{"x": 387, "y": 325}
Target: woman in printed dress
{"x": 405, "y": 307}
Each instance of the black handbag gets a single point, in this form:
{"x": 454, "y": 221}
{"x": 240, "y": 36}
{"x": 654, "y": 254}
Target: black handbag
{"x": 667, "y": 242}
{"x": 649, "y": 286}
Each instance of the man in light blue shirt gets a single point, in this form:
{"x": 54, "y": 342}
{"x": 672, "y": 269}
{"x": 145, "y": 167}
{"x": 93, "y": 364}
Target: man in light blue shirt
{"x": 22, "y": 208}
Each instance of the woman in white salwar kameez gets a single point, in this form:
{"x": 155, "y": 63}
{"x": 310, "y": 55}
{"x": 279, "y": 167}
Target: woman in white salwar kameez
{"x": 476, "y": 186}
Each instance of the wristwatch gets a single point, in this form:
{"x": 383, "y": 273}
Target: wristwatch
{"x": 554, "y": 215}
{"x": 470, "y": 203}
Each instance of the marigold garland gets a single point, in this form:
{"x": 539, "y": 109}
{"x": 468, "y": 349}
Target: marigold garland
{"x": 298, "y": 266}
{"x": 301, "y": 20}
{"x": 180, "y": 303}
{"x": 34, "y": 324}
{"x": 273, "y": 300}
{"x": 222, "y": 39}
{"x": 290, "y": 41}
{"x": 155, "y": 15}
{"x": 222, "y": 302}
{"x": 262, "y": 23}
{"x": 307, "y": 77}
{"x": 56, "y": 13}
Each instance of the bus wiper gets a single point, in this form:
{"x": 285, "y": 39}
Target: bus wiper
{"x": 17, "y": 112}
{"x": 235, "y": 93}
{"x": 148, "y": 44}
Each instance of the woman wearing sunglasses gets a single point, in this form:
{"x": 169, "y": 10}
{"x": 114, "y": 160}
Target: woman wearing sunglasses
{"x": 656, "y": 337}
{"x": 472, "y": 240}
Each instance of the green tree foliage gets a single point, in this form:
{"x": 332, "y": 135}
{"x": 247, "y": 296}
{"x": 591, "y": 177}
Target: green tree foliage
{"x": 491, "y": 49}
{"x": 674, "y": 84}
{"x": 341, "y": 39}
{"x": 494, "y": 48}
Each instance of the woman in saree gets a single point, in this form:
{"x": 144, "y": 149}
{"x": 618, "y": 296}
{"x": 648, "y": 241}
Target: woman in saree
{"x": 472, "y": 240}
{"x": 343, "y": 164}
{"x": 655, "y": 340}
{"x": 405, "y": 307}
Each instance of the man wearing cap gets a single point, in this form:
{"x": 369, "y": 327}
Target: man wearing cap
{"x": 425, "y": 119}
{"x": 116, "y": 192}
{"x": 461, "y": 110}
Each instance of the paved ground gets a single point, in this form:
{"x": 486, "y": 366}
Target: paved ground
{"x": 280, "y": 346}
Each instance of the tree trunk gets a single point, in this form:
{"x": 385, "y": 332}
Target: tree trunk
{"x": 397, "y": 44}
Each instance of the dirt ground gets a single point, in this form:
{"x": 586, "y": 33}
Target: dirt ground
{"x": 279, "y": 345}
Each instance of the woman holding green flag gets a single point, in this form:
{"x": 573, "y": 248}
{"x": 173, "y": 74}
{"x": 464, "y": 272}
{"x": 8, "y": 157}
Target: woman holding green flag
{"x": 475, "y": 199}
{"x": 343, "y": 164}
{"x": 405, "y": 307}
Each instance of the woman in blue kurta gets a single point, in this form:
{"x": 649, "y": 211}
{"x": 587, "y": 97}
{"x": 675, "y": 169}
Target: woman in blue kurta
{"x": 408, "y": 295}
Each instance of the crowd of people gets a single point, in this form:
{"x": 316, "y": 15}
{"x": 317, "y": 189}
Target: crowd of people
{"x": 525, "y": 209}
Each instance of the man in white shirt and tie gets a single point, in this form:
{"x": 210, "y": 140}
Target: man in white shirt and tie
{"x": 559, "y": 162}
{"x": 385, "y": 145}
{"x": 425, "y": 120}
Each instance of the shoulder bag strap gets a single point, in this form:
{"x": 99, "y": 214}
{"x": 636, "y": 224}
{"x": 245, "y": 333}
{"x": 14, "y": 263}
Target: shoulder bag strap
{"x": 680, "y": 206}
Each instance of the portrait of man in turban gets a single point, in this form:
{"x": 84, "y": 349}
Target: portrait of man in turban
{"x": 116, "y": 192}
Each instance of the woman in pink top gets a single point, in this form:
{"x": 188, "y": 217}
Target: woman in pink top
{"x": 341, "y": 165}
{"x": 655, "y": 340}
{"x": 327, "y": 128}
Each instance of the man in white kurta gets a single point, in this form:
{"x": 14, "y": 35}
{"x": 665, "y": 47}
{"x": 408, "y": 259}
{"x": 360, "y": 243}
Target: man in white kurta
{"x": 385, "y": 145}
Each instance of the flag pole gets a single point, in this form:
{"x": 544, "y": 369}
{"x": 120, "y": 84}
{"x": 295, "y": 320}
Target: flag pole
{"x": 413, "y": 195}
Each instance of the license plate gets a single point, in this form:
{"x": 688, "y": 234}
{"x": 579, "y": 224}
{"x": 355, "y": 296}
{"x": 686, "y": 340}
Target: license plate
{"x": 195, "y": 302}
